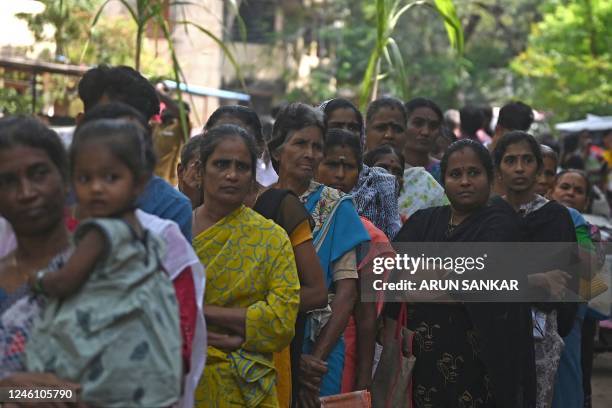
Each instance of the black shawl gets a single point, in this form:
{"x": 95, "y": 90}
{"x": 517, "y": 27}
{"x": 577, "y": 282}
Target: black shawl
{"x": 551, "y": 223}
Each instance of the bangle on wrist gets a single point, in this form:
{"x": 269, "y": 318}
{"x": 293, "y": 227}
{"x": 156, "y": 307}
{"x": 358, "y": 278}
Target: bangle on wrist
{"x": 37, "y": 287}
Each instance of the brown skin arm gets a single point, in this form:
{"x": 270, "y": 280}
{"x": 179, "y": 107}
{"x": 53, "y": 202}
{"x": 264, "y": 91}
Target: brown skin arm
{"x": 312, "y": 371}
{"x": 313, "y": 294}
{"x": 313, "y": 367}
{"x": 365, "y": 321}
{"x": 230, "y": 318}
{"x": 68, "y": 280}
{"x": 342, "y": 306}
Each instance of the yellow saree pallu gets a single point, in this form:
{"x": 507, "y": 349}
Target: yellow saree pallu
{"x": 249, "y": 263}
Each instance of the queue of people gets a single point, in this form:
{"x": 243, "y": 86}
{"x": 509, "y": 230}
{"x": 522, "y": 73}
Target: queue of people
{"x": 243, "y": 285}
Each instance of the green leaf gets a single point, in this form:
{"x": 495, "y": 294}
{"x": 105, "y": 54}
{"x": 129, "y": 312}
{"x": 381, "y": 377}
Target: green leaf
{"x": 368, "y": 80}
{"x": 99, "y": 13}
{"x": 93, "y": 23}
{"x": 446, "y": 9}
{"x": 233, "y": 5}
{"x": 370, "y": 77}
{"x": 381, "y": 18}
{"x": 388, "y": 13}
{"x": 399, "y": 68}
{"x": 396, "y": 16}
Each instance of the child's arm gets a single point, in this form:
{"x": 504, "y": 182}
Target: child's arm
{"x": 68, "y": 279}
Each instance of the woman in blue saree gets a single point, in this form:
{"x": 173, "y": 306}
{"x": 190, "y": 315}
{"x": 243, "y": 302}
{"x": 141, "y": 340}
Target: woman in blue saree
{"x": 297, "y": 149}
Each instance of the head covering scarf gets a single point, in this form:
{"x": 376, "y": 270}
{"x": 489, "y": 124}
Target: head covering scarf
{"x": 375, "y": 199}
{"x": 420, "y": 191}
{"x": 375, "y": 192}
{"x": 338, "y": 228}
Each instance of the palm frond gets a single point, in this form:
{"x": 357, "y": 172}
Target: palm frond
{"x": 388, "y": 14}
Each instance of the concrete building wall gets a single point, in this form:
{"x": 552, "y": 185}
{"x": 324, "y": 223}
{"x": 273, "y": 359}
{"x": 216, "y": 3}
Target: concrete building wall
{"x": 198, "y": 54}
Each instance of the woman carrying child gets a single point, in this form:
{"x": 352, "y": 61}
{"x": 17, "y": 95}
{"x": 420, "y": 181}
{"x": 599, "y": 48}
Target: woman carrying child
{"x": 130, "y": 353}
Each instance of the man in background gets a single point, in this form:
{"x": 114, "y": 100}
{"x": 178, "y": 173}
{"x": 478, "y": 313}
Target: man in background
{"x": 104, "y": 84}
{"x": 512, "y": 116}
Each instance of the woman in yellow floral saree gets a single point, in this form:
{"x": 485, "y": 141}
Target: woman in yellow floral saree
{"x": 252, "y": 294}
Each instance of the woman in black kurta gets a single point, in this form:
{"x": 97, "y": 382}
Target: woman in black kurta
{"x": 468, "y": 354}
{"x": 518, "y": 160}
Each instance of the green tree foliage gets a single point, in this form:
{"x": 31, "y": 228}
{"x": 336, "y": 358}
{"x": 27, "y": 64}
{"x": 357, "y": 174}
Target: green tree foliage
{"x": 353, "y": 36}
{"x": 567, "y": 65}
{"x": 71, "y": 31}
{"x": 388, "y": 15}
{"x": 344, "y": 35}
{"x": 12, "y": 102}
{"x": 105, "y": 47}
{"x": 69, "y": 19}
{"x": 70, "y": 23}
{"x": 495, "y": 32}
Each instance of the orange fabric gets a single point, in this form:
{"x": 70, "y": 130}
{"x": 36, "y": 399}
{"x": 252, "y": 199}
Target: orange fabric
{"x": 300, "y": 234}
{"x": 282, "y": 360}
{"x": 357, "y": 399}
